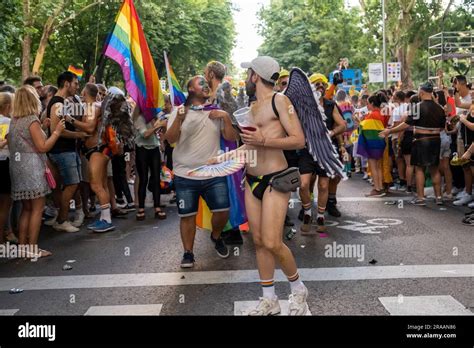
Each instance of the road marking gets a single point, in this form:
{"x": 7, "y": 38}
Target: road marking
{"x": 8, "y": 312}
{"x": 244, "y": 307}
{"x": 423, "y": 305}
{"x": 363, "y": 199}
{"x": 148, "y": 309}
{"x": 232, "y": 277}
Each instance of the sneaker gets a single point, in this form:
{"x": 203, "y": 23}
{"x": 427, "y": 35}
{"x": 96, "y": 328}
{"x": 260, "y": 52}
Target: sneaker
{"x": 394, "y": 187}
{"x": 463, "y": 200}
{"x": 332, "y": 209}
{"x": 402, "y": 188}
{"x": 65, "y": 227}
{"x": 376, "y": 193}
{"x": 461, "y": 194}
{"x": 79, "y": 219}
{"x": 439, "y": 201}
{"x": 288, "y": 222}
{"x": 469, "y": 221}
{"x": 266, "y": 307}
{"x": 301, "y": 214}
{"x": 456, "y": 190}
{"x": 409, "y": 189}
{"x": 418, "y": 202}
{"x": 320, "y": 225}
{"x": 221, "y": 248}
{"x": 103, "y": 226}
{"x": 50, "y": 222}
{"x": 305, "y": 228}
{"x": 188, "y": 260}
{"x": 471, "y": 205}
{"x": 365, "y": 177}
{"x": 50, "y": 212}
{"x": 130, "y": 207}
{"x": 233, "y": 237}
{"x": 297, "y": 303}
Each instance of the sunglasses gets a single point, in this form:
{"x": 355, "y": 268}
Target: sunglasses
{"x": 284, "y": 84}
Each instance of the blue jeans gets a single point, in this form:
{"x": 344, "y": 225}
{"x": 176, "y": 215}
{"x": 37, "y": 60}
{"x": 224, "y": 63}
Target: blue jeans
{"x": 214, "y": 191}
{"x": 69, "y": 167}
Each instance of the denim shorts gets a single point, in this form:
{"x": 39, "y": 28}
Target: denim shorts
{"x": 69, "y": 167}
{"x": 214, "y": 191}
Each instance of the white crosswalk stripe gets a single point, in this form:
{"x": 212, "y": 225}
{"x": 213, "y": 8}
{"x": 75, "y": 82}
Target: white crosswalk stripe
{"x": 244, "y": 307}
{"x": 232, "y": 277}
{"x": 423, "y": 305}
{"x": 8, "y": 312}
{"x": 127, "y": 310}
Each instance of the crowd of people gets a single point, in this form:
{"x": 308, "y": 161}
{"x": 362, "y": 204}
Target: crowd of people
{"x": 60, "y": 146}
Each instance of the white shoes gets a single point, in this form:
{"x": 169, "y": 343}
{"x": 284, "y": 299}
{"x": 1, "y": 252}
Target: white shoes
{"x": 471, "y": 205}
{"x": 461, "y": 194}
{"x": 79, "y": 219}
{"x": 463, "y": 200}
{"x": 50, "y": 222}
{"x": 266, "y": 307}
{"x": 298, "y": 304}
{"x": 65, "y": 227}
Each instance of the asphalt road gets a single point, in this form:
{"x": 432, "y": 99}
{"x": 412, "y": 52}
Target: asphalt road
{"x": 420, "y": 259}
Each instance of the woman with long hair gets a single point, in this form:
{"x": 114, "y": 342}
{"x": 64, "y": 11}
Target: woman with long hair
{"x": 28, "y": 147}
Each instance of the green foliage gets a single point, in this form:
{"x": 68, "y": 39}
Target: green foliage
{"x": 193, "y": 32}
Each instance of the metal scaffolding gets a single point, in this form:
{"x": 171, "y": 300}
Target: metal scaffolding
{"x": 450, "y": 45}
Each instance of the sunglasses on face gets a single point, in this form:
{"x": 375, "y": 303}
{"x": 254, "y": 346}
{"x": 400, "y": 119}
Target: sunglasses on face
{"x": 284, "y": 84}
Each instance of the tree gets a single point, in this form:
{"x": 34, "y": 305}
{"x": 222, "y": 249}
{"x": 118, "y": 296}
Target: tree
{"x": 409, "y": 23}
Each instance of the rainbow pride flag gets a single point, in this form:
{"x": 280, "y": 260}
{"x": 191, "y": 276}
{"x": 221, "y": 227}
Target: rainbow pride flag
{"x": 78, "y": 72}
{"x": 369, "y": 144}
{"x": 176, "y": 93}
{"x": 127, "y": 46}
{"x": 237, "y": 214}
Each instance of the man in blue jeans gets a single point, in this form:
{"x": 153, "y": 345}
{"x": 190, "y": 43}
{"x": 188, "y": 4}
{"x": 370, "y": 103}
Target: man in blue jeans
{"x": 197, "y": 134}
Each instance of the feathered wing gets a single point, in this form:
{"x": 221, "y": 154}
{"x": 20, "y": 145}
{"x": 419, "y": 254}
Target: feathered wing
{"x": 116, "y": 113}
{"x": 318, "y": 141}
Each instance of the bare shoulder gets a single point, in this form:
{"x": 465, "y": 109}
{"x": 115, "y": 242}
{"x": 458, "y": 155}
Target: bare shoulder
{"x": 283, "y": 103}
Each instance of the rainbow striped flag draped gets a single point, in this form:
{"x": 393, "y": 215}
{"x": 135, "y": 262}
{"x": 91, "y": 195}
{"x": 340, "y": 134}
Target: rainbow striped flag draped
{"x": 128, "y": 47}
{"x": 369, "y": 144}
{"x": 177, "y": 96}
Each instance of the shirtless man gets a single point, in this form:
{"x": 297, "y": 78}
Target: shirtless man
{"x": 266, "y": 209}
{"x": 98, "y": 158}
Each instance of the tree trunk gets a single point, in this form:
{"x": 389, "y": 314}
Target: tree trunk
{"x": 26, "y": 42}
{"x": 41, "y": 50}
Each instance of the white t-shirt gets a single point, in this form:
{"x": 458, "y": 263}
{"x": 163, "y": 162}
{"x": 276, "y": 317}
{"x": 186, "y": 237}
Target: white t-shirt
{"x": 198, "y": 142}
{"x": 465, "y": 100}
{"x": 4, "y": 129}
{"x": 397, "y": 115}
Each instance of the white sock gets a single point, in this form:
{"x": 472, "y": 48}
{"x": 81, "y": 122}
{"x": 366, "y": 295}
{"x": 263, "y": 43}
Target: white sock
{"x": 308, "y": 211}
{"x": 296, "y": 284}
{"x": 105, "y": 213}
{"x": 268, "y": 287}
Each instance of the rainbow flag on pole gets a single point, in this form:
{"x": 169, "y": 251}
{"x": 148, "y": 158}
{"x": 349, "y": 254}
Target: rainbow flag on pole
{"x": 78, "y": 72}
{"x": 176, "y": 93}
{"x": 128, "y": 47}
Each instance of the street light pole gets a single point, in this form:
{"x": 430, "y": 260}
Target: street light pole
{"x": 384, "y": 47}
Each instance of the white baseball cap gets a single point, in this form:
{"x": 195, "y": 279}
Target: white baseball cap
{"x": 266, "y": 67}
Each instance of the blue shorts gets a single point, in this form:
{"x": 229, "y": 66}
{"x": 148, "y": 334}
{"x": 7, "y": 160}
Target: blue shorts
{"x": 214, "y": 191}
{"x": 69, "y": 167}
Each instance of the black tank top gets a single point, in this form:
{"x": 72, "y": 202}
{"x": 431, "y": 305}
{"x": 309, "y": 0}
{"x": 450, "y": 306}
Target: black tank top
{"x": 63, "y": 144}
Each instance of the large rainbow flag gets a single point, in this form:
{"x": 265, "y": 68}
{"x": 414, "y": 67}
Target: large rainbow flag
{"x": 128, "y": 47}
{"x": 369, "y": 144}
{"x": 176, "y": 93}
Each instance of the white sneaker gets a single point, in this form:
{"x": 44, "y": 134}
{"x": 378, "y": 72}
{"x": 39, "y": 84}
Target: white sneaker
{"x": 298, "y": 304}
{"x": 65, "y": 227}
{"x": 50, "y": 222}
{"x": 79, "y": 219}
{"x": 471, "y": 205}
{"x": 266, "y": 307}
{"x": 461, "y": 194}
{"x": 463, "y": 200}
{"x": 456, "y": 190}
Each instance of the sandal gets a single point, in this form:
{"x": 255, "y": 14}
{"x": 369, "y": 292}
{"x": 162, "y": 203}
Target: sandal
{"x": 160, "y": 215}
{"x": 141, "y": 215}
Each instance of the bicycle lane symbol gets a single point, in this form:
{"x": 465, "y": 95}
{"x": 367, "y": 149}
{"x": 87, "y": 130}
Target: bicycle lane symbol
{"x": 372, "y": 226}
